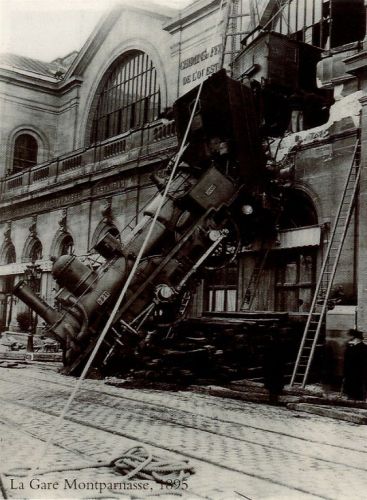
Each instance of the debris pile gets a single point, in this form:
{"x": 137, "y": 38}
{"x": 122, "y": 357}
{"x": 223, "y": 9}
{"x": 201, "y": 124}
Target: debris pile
{"x": 210, "y": 350}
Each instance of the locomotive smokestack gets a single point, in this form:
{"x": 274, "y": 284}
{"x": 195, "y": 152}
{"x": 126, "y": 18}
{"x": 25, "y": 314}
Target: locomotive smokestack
{"x": 26, "y": 294}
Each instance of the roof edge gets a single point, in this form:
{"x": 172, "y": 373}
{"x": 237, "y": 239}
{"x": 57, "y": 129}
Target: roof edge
{"x": 106, "y": 23}
{"x": 191, "y": 12}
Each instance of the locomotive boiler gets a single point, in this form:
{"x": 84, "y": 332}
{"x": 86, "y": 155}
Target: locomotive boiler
{"x": 214, "y": 206}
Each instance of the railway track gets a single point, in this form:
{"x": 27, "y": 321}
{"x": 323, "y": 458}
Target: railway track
{"x": 186, "y": 424}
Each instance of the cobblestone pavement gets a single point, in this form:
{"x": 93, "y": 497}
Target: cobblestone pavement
{"x": 238, "y": 450}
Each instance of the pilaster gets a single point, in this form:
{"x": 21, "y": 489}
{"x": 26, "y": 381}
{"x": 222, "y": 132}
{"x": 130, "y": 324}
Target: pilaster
{"x": 362, "y": 226}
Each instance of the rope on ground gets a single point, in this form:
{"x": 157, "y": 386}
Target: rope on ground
{"x": 2, "y": 488}
{"x": 135, "y": 463}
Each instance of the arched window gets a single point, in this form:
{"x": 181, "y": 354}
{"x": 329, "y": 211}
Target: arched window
{"x": 9, "y": 258}
{"x": 101, "y": 231}
{"x": 35, "y": 252}
{"x": 298, "y": 211}
{"x": 66, "y": 245}
{"x": 6, "y": 288}
{"x": 25, "y": 152}
{"x": 129, "y": 98}
{"x": 113, "y": 231}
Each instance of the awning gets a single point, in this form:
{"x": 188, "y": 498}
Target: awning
{"x": 299, "y": 237}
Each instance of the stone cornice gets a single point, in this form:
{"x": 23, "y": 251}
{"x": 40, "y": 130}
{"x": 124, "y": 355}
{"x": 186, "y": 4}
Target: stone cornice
{"x": 35, "y": 82}
{"x": 356, "y": 63}
{"x": 192, "y": 13}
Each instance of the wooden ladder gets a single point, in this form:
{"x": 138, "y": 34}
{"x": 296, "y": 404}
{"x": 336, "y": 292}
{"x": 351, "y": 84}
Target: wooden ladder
{"x": 233, "y": 33}
{"x": 322, "y": 292}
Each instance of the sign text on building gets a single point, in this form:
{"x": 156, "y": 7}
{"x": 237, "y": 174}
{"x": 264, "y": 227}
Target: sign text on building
{"x": 208, "y": 62}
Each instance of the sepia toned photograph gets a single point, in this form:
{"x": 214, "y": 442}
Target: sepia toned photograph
{"x": 183, "y": 249}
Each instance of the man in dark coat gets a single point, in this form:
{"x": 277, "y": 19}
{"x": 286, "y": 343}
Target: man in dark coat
{"x": 355, "y": 367}
{"x": 273, "y": 366}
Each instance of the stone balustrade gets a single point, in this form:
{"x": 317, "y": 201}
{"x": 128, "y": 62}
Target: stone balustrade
{"x": 71, "y": 164}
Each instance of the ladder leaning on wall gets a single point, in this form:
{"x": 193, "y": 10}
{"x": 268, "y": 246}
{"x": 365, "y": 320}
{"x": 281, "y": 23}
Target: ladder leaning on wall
{"x": 236, "y": 22}
{"x": 321, "y": 296}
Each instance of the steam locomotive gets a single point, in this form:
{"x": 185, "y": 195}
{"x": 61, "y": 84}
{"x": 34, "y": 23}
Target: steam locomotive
{"x": 214, "y": 206}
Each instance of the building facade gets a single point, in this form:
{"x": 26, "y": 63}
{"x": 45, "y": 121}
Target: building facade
{"x": 80, "y": 137}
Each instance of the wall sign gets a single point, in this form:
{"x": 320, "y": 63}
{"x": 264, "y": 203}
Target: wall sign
{"x": 199, "y": 66}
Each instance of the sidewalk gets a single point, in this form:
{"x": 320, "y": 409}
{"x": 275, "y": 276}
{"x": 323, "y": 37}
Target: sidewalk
{"x": 312, "y": 399}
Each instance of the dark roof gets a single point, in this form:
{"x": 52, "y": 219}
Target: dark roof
{"x": 38, "y": 67}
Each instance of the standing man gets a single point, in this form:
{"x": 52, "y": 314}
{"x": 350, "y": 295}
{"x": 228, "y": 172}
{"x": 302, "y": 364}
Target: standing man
{"x": 273, "y": 366}
{"x": 355, "y": 367}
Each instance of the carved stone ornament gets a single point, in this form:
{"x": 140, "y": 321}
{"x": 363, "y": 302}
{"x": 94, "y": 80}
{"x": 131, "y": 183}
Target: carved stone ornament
{"x": 33, "y": 227}
{"x": 7, "y": 232}
{"x": 62, "y": 221}
{"x": 106, "y": 210}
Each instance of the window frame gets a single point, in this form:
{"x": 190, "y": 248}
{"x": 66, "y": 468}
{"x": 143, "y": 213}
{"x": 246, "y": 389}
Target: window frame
{"x": 282, "y": 286}
{"x": 66, "y": 245}
{"x": 24, "y": 156}
{"x": 129, "y": 98}
{"x": 221, "y": 284}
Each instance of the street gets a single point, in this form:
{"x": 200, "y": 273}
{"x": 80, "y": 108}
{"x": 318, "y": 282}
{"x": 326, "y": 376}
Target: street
{"x": 236, "y": 449}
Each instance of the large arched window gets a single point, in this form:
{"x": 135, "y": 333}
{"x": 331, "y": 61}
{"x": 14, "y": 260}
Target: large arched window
{"x": 25, "y": 152}
{"x": 129, "y": 98}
